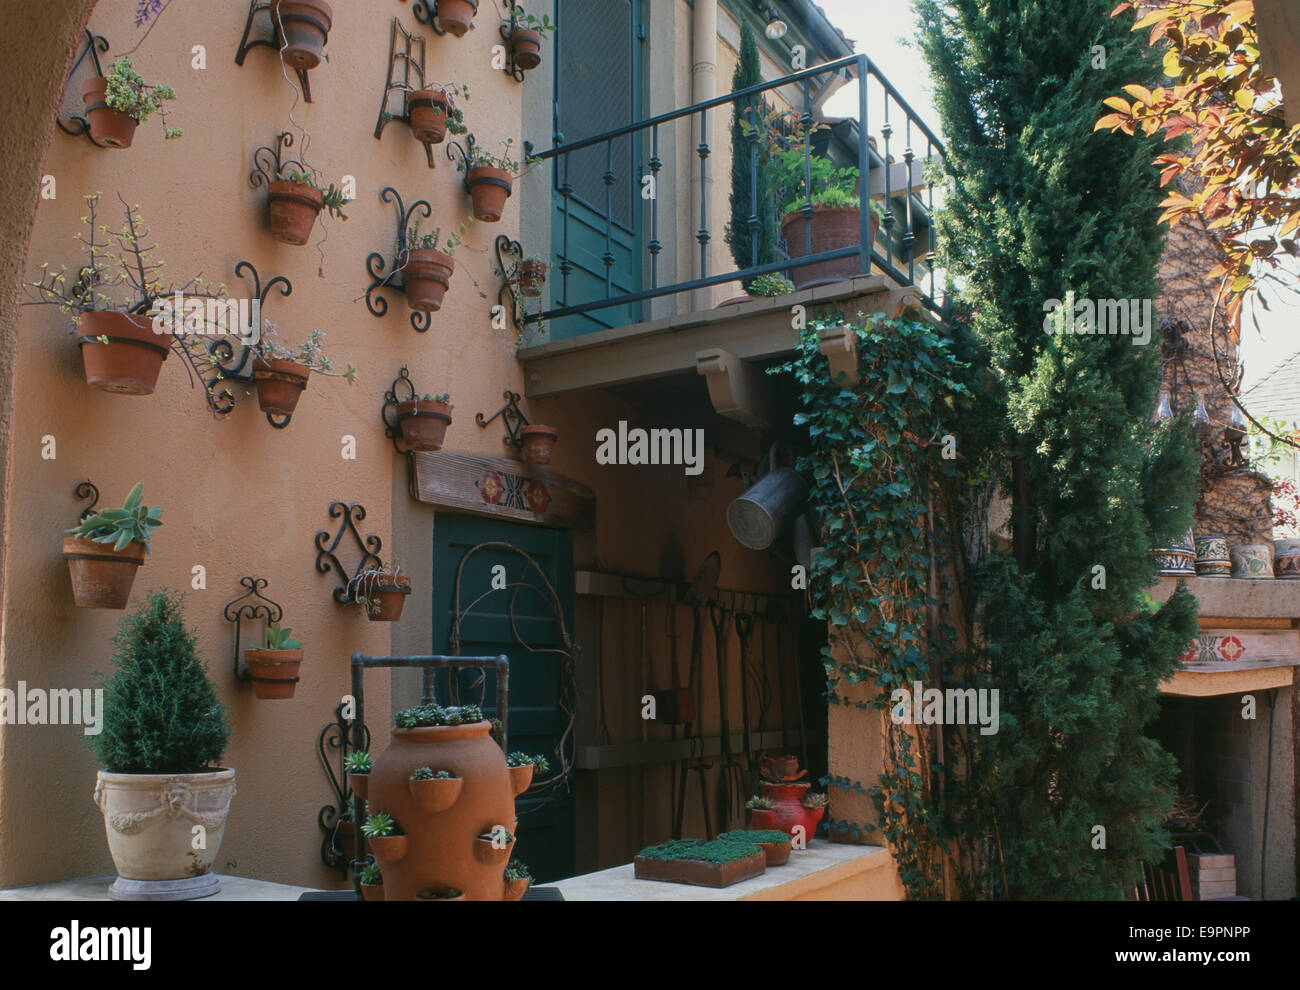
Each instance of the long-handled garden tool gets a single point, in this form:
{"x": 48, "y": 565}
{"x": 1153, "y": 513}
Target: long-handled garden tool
{"x": 697, "y": 593}
{"x": 744, "y": 630}
{"x": 731, "y": 782}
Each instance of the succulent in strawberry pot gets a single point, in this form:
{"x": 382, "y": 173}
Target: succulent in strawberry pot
{"x": 526, "y": 39}
{"x": 280, "y": 374}
{"x": 385, "y": 839}
{"x": 117, "y": 103}
{"x": 358, "y": 765}
{"x": 539, "y": 443}
{"x": 273, "y": 665}
{"x": 163, "y": 734}
{"x": 295, "y": 201}
{"x": 381, "y": 591}
{"x": 493, "y": 847}
{"x": 433, "y": 112}
{"x": 522, "y": 767}
{"x": 434, "y": 790}
{"x": 426, "y": 263}
{"x": 490, "y": 179}
{"x": 107, "y": 548}
{"x": 372, "y": 882}
{"x": 424, "y": 421}
{"x": 456, "y": 16}
{"x": 304, "y": 27}
{"x": 517, "y": 877}
{"x": 440, "y": 894}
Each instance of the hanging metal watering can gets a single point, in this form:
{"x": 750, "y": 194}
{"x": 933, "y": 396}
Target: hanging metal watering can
{"x": 764, "y": 512}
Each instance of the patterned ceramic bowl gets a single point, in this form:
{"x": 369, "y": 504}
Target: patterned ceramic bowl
{"x": 1179, "y": 558}
{"x": 1254, "y": 561}
{"x": 1286, "y": 559}
{"x": 1212, "y": 559}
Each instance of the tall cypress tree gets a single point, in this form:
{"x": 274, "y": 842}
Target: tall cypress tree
{"x": 750, "y": 113}
{"x": 1040, "y": 205}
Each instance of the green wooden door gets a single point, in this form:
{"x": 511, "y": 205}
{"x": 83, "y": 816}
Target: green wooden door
{"x": 536, "y": 721}
{"x": 597, "y": 89}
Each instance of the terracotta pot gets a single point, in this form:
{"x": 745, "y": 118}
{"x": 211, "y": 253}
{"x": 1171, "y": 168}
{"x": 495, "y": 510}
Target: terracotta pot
{"x": 789, "y": 811}
{"x": 457, "y": 16}
{"x": 532, "y": 276}
{"x": 527, "y": 45}
{"x": 306, "y": 25}
{"x": 108, "y": 127}
{"x": 274, "y": 672}
{"x": 833, "y": 227}
{"x": 515, "y": 889}
{"x": 489, "y": 188}
{"x": 130, "y": 361}
{"x": 1286, "y": 559}
{"x": 345, "y": 840}
{"x": 280, "y": 385}
{"x": 388, "y": 600}
{"x": 539, "y": 443}
{"x": 489, "y": 854}
{"x": 521, "y": 778}
{"x": 436, "y": 795}
{"x": 101, "y": 576}
{"x": 428, "y": 111}
{"x": 293, "y": 208}
{"x": 426, "y": 276}
{"x": 389, "y": 849}
{"x": 149, "y": 820}
{"x": 1254, "y": 561}
{"x": 360, "y": 784}
{"x": 372, "y": 891}
{"x": 441, "y": 851}
{"x": 458, "y": 897}
{"x": 423, "y": 423}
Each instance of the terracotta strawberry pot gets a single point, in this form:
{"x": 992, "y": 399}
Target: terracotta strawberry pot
{"x": 428, "y": 112}
{"x": 833, "y": 227}
{"x": 429, "y": 895}
{"x": 527, "y": 45}
{"x": 101, "y": 576}
{"x": 279, "y": 384}
{"x": 372, "y": 891}
{"x": 789, "y": 812}
{"x": 426, "y": 276}
{"x": 274, "y": 673}
{"x": 360, "y": 784}
{"x": 293, "y": 207}
{"x": 388, "y": 600}
{"x": 129, "y": 361}
{"x": 436, "y": 795}
{"x": 515, "y": 889}
{"x": 489, "y": 188}
{"x": 457, "y": 16}
{"x": 388, "y": 848}
{"x": 345, "y": 840}
{"x": 532, "y": 276}
{"x": 423, "y": 423}
{"x": 441, "y": 845}
{"x": 109, "y": 127}
{"x": 306, "y": 26}
{"x": 521, "y": 778}
{"x": 539, "y": 444}
{"x": 490, "y": 854}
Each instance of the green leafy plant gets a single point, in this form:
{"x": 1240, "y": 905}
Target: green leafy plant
{"x": 372, "y": 875}
{"x": 333, "y": 197}
{"x": 130, "y": 94}
{"x": 716, "y": 852}
{"x": 540, "y": 764}
{"x": 420, "y": 716}
{"x": 772, "y": 284}
{"x": 160, "y": 710}
{"x": 278, "y": 638}
{"x": 815, "y": 801}
{"x": 433, "y": 241}
{"x": 531, "y": 22}
{"x": 477, "y": 156}
{"x": 309, "y": 353}
{"x": 750, "y": 246}
{"x": 517, "y": 871}
{"x": 756, "y": 836}
{"x": 365, "y": 587}
{"x": 358, "y": 761}
{"x": 760, "y": 804}
{"x": 427, "y": 773}
{"x": 442, "y": 397}
{"x": 133, "y": 523}
{"x": 825, "y": 185}
{"x": 379, "y": 825}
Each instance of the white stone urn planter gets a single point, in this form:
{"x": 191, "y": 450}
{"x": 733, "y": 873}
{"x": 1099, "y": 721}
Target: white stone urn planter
{"x": 150, "y": 820}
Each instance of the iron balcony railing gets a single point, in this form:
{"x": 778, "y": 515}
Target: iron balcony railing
{"x": 907, "y": 225}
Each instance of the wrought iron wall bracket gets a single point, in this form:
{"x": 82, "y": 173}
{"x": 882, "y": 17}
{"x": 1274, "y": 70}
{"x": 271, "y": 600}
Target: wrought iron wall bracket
{"x": 252, "y": 604}
{"x": 511, "y": 416}
{"x": 338, "y": 736}
{"x": 509, "y": 297}
{"x": 411, "y": 62}
{"x": 466, "y": 153}
{"x": 376, "y": 262}
{"x": 507, "y": 30}
{"x": 77, "y": 126}
{"x": 402, "y": 390}
{"x": 426, "y": 12}
{"x": 276, "y": 41}
{"x": 269, "y": 165}
{"x": 369, "y": 547}
{"x": 86, "y": 490}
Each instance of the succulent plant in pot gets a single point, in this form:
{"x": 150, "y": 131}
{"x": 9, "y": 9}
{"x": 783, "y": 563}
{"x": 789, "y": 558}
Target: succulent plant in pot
{"x": 358, "y": 765}
{"x": 424, "y": 421}
{"x": 385, "y": 839}
{"x": 517, "y": 877}
{"x": 440, "y": 894}
{"x": 434, "y": 790}
{"x": 490, "y": 179}
{"x": 372, "y": 882}
{"x": 107, "y": 548}
{"x": 295, "y": 201}
{"x": 526, "y": 39}
{"x": 280, "y": 374}
{"x": 117, "y": 103}
{"x": 303, "y": 27}
{"x": 433, "y": 112}
{"x": 427, "y": 263}
{"x": 273, "y": 665}
{"x": 163, "y": 735}
{"x": 522, "y": 767}
{"x": 381, "y": 591}
{"x": 492, "y": 848}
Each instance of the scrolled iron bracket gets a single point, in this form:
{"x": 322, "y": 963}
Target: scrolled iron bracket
{"x": 269, "y": 164}
{"x": 388, "y": 412}
{"x": 466, "y": 153}
{"x": 276, "y": 41}
{"x": 86, "y": 490}
{"x": 77, "y": 126}
{"x": 426, "y": 12}
{"x": 510, "y": 255}
{"x": 507, "y": 32}
{"x": 326, "y": 559}
{"x": 252, "y": 604}
{"x": 513, "y": 418}
{"x": 411, "y": 63}
{"x": 376, "y": 262}
{"x": 334, "y": 737}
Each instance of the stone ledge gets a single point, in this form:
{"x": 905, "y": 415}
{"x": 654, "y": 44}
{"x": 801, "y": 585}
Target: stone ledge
{"x": 96, "y": 889}
{"x": 1237, "y": 598}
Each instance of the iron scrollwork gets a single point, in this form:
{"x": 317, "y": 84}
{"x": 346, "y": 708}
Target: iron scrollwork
{"x": 326, "y": 559}
{"x": 376, "y": 262}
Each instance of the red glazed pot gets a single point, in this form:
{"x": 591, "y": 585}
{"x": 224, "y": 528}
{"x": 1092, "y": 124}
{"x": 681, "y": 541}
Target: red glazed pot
{"x": 833, "y": 227}
{"x": 274, "y": 672}
{"x": 489, "y": 188}
{"x": 539, "y": 443}
{"x": 789, "y": 811}
{"x": 423, "y": 423}
{"x": 109, "y": 127}
{"x": 306, "y": 25}
{"x": 457, "y": 16}
{"x": 527, "y": 45}
{"x": 280, "y": 385}
{"x": 426, "y": 276}
{"x": 131, "y": 359}
{"x": 101, "y": 576}
{"x": 428, "y": 110}
{"x": 293, "y": 207}
{"x": 532, "y": 276}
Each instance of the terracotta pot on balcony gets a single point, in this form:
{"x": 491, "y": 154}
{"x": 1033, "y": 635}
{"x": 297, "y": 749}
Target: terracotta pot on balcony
{"x": 457, "y": 16}
{"x": 101, "y": 576}
{"x": 108, "y": 127}
{"x": 279, "y": 385}
{"x": 293, "y": 208}
{"x": 527, "y": 46}
{"x": 274, "y": 673}
{"x": 428, "y": 109}
{"x": 833, "y": 227}
{"x": 423, "y": 423}
{"x": 489, "y": 188}
{"x": 128, "y": 358}
{"x": 306, "y": 25}
{"x": 426, "y": 276}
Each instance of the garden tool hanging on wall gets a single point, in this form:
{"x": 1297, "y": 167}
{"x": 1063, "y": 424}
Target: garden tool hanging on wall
{"x": 697, "y": 594}
{"x": 731, "y": 783}
{"x": 676, "y": 706}
{"x": 769, "y": 507}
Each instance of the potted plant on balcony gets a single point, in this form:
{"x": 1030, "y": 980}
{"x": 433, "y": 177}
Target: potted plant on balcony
{"x": 381, "y": 591}
{"x": 163, "y": 735}
{"x": 372, "y": 882}
{"x": 107, "y": 548}
{"x": 280, "y": 374}
{"x": 357, "y": 765}
{"x": 433, "y": 112}
{"x": 273, "y": 666}
{"x": 517, "y": 879}
{"x": 424, "y": 421}
{"x": 490, "y": 179}
{"x": 294, "y": 202}
{"x": 526, "y": 39}
{"x": 304, "y": 26}
{"x": 457, "y": 16}
{"x": 117, "y": 103}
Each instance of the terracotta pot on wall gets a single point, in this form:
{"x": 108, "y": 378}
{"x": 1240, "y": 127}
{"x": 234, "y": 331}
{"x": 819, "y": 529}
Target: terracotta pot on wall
{"x": 149, "y": 820}
{"x": 279, "y": 384}
{"x": 489, "y": 188}
{"x": 532, "y": 276}
{"x": 388, "y": 599}
{"x": 428, "y": 109}
{"x": 293, "y": 207}
{"x": 101, "y": 576}
{"x": 423, "y": 423}
{"x": 457, "y": 16}
{"x": 833, "y": 227}
{"x": 129, "y": 362}
{"x": 441, "y": 845}
{"x": 527, "y": 46}
{"x": 426, "y": 276}
{"x": 306, "y": 26}
{"x": 274, "y": 672}
{"x": 109, "y": 127}
{"x": 539, "y": 443}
